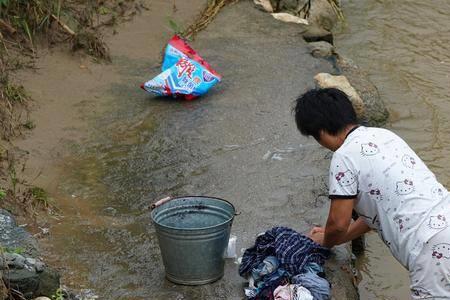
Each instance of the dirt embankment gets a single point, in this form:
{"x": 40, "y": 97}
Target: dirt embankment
{"x": 25, "y": 28}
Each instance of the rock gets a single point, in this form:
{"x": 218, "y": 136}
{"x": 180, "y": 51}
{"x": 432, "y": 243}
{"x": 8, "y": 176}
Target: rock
{"x": 265, "y": 5}
{"x": 23, "y": 280}
{"x": 42, "y": 298}
{"x": 25, "y": 273}
{"x": 49, "y": 282}
{"x": 14, "y": 237}
{"x": 14, "y": 260}
{"x": 30, "y": 261}
{"x": 31, "y": 283}
{"x": 40, "y": 266}
{"x": 325, "y": 80}
{"x": 287, "y": 5}
{"x": 321, "y": 49}
{"x": 322, "y": 15}
{"x": 376, "y": 113}
{"x": 290, "y": 4}
{"x": 111, "y": 211}
{"x": 314, "y": 33}
{"x": 288, "y": 18}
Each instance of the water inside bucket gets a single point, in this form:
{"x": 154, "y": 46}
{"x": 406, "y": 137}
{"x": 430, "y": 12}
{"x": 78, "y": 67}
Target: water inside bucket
{"x": 193, "y": 217}
{"x": 194, "y": 213}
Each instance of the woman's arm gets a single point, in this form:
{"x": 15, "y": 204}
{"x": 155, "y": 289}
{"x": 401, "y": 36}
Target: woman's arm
{"x": 339, "y": 228}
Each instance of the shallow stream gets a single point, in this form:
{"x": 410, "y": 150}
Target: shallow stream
{"x": 123, "y": 150}
{"x": 405, "y": 48}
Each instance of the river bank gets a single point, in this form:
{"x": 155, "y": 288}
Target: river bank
{"x": 105, "y": 150}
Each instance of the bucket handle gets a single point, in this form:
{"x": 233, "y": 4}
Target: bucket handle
{"x": 160, "y": 202}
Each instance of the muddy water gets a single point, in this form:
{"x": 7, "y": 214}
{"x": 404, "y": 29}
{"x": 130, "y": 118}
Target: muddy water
{"x": 105, "y": 150}
{"x": 405, "y": 47}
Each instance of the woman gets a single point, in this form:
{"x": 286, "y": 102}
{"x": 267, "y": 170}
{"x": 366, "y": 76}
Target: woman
{"x": 375, "y": 172}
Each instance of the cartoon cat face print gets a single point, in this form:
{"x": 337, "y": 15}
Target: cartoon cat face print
{"x": 408, "y": 161}
{"x": 441, "y": 250}
{"x": 437, "y": 192}
{"x": 437, "y": 222}
{"x": 401, "y": 222}
{"x": 369, "y": 149}
{"x": 404, "y": 187}
{"x": 345, "y": 178}
{"x": 375, "y": 195}
{"x": 420, "y": 292}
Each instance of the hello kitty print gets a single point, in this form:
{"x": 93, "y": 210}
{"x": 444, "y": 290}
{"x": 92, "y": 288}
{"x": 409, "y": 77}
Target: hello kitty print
{"x": 345, "y": 178}
{"x": 401, "y": 222}
{"x": 369, "y": 149}
{"x": 391, "y": 182}
{"x": 404, "y": 187}
{"x": 375, "y": 195}
{"x": 441, "y": 251}
{"x": 437, "y": 222}
{"x": 408, "y": 161}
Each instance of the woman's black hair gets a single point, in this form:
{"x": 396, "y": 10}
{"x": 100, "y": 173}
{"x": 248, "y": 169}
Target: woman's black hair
{"x": 323, "y": 109}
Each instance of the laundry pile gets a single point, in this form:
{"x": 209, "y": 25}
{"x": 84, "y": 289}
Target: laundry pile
{"x": 285, "y": 265}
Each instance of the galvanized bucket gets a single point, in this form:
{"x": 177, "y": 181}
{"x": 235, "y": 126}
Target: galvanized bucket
{"x": 193, "y": 234}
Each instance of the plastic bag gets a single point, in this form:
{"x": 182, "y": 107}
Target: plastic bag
{"x": 184, "y": 74}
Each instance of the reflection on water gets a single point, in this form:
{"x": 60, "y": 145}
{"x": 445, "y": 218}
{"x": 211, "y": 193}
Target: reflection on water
{"x": 405, "y": 48}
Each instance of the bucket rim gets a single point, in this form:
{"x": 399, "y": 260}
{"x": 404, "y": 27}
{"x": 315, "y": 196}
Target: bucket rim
{"x": 196, "y": 229}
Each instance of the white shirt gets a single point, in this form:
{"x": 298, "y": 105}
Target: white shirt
{"x": 395, "y": 192}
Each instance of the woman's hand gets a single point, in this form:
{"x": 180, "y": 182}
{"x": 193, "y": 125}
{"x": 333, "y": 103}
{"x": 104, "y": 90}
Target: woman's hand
{"x": 317, "y": 234}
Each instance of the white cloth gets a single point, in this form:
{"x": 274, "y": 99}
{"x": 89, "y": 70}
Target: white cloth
{"x": 395, "y": 192}
{"x": 430, "y": 275}
{"x": 292, "y": 292}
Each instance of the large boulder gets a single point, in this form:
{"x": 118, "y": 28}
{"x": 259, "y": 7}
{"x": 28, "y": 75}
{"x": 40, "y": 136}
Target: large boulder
{"x": 20, "y": 269}
{"x": 322, "y": 15}
{"x": 376, "y": 113}
{"x": 15, "y": 237}
{"x": 321, "y": 49}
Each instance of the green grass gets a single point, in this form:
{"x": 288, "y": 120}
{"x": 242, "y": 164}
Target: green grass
{"x": 16, "y": 250}
{"x": 40, "y": 196}
{"x": 29, "y": 125}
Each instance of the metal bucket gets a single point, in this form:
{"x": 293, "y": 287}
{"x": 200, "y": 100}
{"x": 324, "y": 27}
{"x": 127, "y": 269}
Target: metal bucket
{"x": 193, "y": 234}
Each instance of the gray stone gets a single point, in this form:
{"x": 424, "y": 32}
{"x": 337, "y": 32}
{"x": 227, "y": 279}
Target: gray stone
{"x": 322, "y": 15}
{"x": 287, "y": 5}
{"x": 314, "y": 33}
{"x": 321, "y": 49}
{"x": 30, "y": 261}
{"x": 40, "y": 266}
{"x": 24, "y": 273}
{"x": 376, "y": 113}
{"x": 111, "y": 211}
{"x": 23, "y": 280}
{"x": 33, "y": 284}
{"x": 13, "y": 236}
{"x": 15, "y": 260}
{"x": 49, "y": 282}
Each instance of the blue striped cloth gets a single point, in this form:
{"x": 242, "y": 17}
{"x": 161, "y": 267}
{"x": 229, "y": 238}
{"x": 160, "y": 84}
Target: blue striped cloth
{"x": 292, "y": 249}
